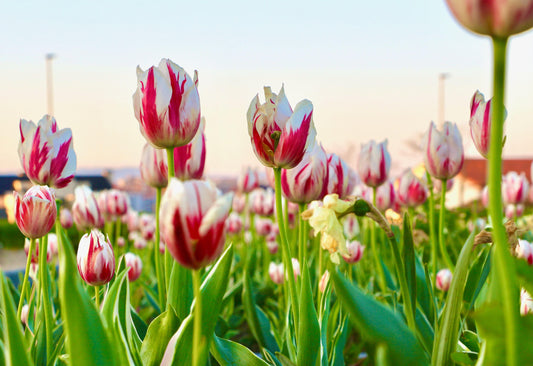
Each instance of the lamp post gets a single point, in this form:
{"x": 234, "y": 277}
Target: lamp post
{"x": 442, "y": 76}
{"x": 49, "y": 57}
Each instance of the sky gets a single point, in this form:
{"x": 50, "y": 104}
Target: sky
{"x": 370, "y": 68}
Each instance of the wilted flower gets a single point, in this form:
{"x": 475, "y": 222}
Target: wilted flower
{"x": 444, "y": 279}
{"x": 167, "y": 105}
{"x": 280, "y": 137}
{"x": 189, "y": 160}
{"x": 154, "y": 169}
{"x": 135, "y": 265}
{"x": 35, "y": 213}
{"x": 444, "y": 155}
{"x": 46, "y": 153}
{"x": 192, "y": 221}
{"x": 374, "y": 163}
{"x": 96, "y": 260}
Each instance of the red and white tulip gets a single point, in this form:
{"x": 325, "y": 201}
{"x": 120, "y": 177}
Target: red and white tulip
{"x": 444, "y": 279}
{"x": 354, "y": 252}
{"x": 515, "y": 188}
{"x": 341, "y": 178}
{"x": 154, "y": 169}
{"x": 189, "y": 160}
{"x": 444, "y": 154}
{"x": 96, "y": 260}
{"x": 411, "y": 191}
{"x": 135, "y": 265}
{"x": 85, "y": 209}
{"x": 374, "y": 163}
{"x": 35, "y": 213}
{"x": 248, "y": 180}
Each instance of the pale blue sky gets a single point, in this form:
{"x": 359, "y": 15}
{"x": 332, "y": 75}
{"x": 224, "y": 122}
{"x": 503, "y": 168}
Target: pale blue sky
{"x": 369, "y": 67}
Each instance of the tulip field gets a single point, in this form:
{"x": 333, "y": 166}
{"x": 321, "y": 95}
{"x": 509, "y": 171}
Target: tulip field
{"x": 310, "y": 261}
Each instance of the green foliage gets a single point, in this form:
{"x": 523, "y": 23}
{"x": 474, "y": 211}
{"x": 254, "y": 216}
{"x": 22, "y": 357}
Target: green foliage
{"x": 309, "y": 330}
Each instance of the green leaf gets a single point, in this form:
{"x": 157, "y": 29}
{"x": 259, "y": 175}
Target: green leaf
{"x": 14, "y": 348}
{"x": 178, "y": 351}
{"x": 479, "y": 271}
{"x": 180, "y": 292}
{"x": 408, "y": 253}
{"x": 257, "y": 320}
{"x": 157, "y": 337}
{"x": 228, "y": 353}
{"x": 87, "y": 339}
{"x": 378, "y": 323}
{"x": 308, "y": 329}
{"x": 448, "y": 332}
{"x": 423, "y": 290}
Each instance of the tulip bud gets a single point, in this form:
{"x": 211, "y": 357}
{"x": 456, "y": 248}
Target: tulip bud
{"x": 512, "y": 211}
{"x": 65, "y": 218}
{"x": 46, "y": 153}
{"x": 272, "y": 244}
{"x": 275, "y": 271}
{"x": 154, "y": 169}
{"x": 189, "y": 160}
{"x": 526, "y": 302}
{"x": 132, "y": 220}
{"x": 167, "y": 105}
{"x": 96, "y": 260}
{"x": 280, "y": 137}
{"x": 411, "y": 191}
{"x": 497, "y": 18}
{"x": 485, "y": 196}
{"x": 341, "y": 178}
{"x": 524, "y": 249}
{"x": 444, "y": 279}
{"x": 121, "y": 241}
{"x": 262, "y": 202}
{"x": 308, "y": 181}
{"x": 192, "y": 221}
{"x": 351, "y": 226}
{"x": 52, "y": 246}
{"x": 35, "y": 213}
{"x": 480, "y": 122}
{"x": 444, "y": 155}
{"x": 135, "y": 265}
{"x": 263, "y": 226}
{"x": 374, "y": 163}
{"x": 385, "y": 196}
{"x": 117, "y": 203}
{"x": 85, "y": 209}
{"x": 295, "y": 267}
{"x": 248, "y": 180}
{"x": 354, "y": 252}
{"x": 234, "y": 223}
{"x": 147, "y": 226}
{"x": 24, "y": 314}
{"x": 239, "y": 203}
{"x": 514, "y": 188}
{"x": 323, "y": 281}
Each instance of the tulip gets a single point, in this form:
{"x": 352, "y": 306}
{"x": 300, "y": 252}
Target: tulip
{"x": 275, "y": 271}
{"x": 132, "y": 220}
{"x": 272, "y": 244}
{"x": 437, "y": 185}
{"x": 46, "y": 153}
{"x": 526, "y": 302}
{"x": 24, "y": 314}
{"x": 385, "y": 196}
{"x": 296, "y": 267}
{"x": 498, "y": 18}
{"x": 411, "y": 191}
{"x": 512, "y": 211}
{"x": 341, "y": 178}
{"x": 248, "y": 180}
{"x": 85, "y": 209}
{"x": 65, "y": 218}
{"x": 35, "y": 213}
{"x": 262, "y": 202}
{"x": 189, "y": 160}
{"x": 192, "y": 221}
{"x": 323, "y": 281}
{"x": 154, "y": 169}
{"x": 121, "y": 241}
{"x": 147, "y": 226}
{"x": 374, "y": 163}
{"x": 52, "y": 246}
{"x": 514, "y": 188}
{"x": 113, "y": 203}
{"x": 263, "y": 226}
{"x": 234, "y": 223}
{"x": 96, "y": 260}
{"x": 480, "y": 122}
{"x": 351, "y": 226}
{"x": 444, "y": 155}
{"x": 135, "y": 265}
{"x": 485, "y": 197}
{"x": 139, "y": 242}
{"x": 308, "y": 181}
{"x": 167, "y": 105}
{"x": 280, "y": 137}
{"x": 524, "y": 250}
{"x": 239, "y": 203}
{"x": 444, "y": 279}
{"x": 354, "y": 252}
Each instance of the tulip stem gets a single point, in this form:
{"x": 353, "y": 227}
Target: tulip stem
{"x": 97, "y": 296}
{"x": 25, "y": 280}
{"x": 504, "y": 276}
{"x": 169, "y": 261}
{"x": 442, "y": 244}
{"x": 158, "y": 270}
{"x": 286, "y": 250}
{"x": 379, "y": 268}
{"x": 197, "y": 332}
{"x": 302, "y": 235}
{"x": 170, "y": 163}
{"x": 45, "y": 296}
{"x": 432, "y": 236}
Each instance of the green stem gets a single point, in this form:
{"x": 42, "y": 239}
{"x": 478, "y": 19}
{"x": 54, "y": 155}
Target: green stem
{"x": 379, "y": 268}
{"x": 302, "y": 232}
{"x": 432, "y": 236}
{"x": 197, "y": 332}
{"x": 97, "y": 296}
{"x": 286, "y": 250}
{"x": 504, "y": 272}
{"x": 442, "y": 244}
{"x": 170, "y": 163}
{"x": 168, "y": 258}
{"x": 25, "y": 280}
{"x": 45, "y": 295}
{"x": 158, "y": 270}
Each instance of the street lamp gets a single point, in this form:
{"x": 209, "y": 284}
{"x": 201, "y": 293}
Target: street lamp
{"x": 49, "y": 57}
{"x": 442, "y": 76}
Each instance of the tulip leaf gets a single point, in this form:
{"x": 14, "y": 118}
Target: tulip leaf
{"x": 408, "y": 252}
{"x": 448, "y": 332}
{"x": 229, "y": 353}
{"x": 178, "y": 351}
{"x": 423, "y": 290}
{"x": 479, "y": 271}
{"x": 14, "y": 346}
{"x": 325, "y": 305}
{"x": 180, "y": 292}
{"x": 87, "y": 339}
{"x": 257, "y": 320}
{"x": 308, "y": 328}
{"x": 379, "y": 323}
{"x": 157, "y": 337}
